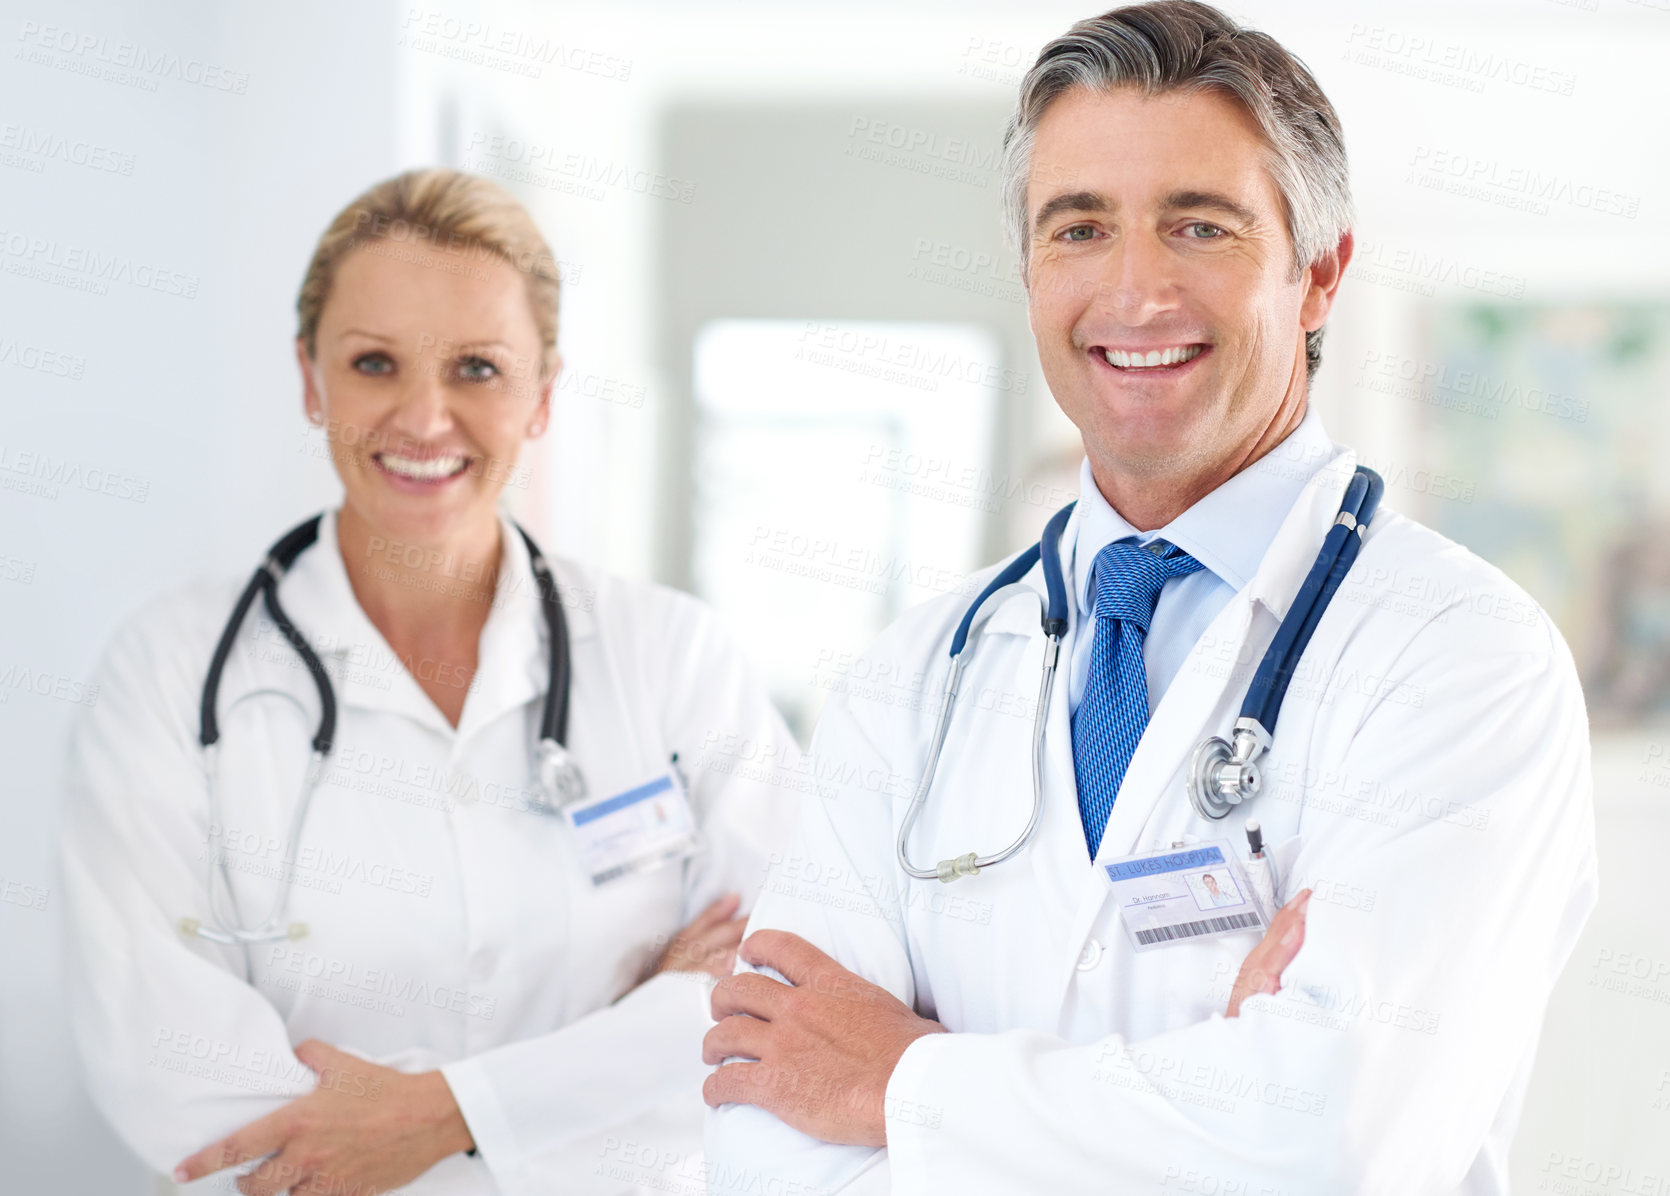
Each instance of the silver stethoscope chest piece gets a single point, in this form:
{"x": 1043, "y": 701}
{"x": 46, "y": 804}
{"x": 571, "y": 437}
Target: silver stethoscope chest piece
{"x": 560, "y": 781}
{"x": 1222, "y": 776}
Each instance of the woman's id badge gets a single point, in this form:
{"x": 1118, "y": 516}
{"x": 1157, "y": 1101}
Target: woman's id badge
{"x": 629, "y": 832}
{"x": 1183, "y": 893}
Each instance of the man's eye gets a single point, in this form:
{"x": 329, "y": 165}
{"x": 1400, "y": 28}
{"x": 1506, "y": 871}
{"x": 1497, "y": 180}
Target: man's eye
{"x": 373, "y": 363}
{"x": 1079, "y": 232}
{"x": 477, "y": 369}
{"x": 1211, "y": 231}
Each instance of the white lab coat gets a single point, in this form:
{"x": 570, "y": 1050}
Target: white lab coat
{"x": 448, "y": 925}
{"x": 1429, "y": 779}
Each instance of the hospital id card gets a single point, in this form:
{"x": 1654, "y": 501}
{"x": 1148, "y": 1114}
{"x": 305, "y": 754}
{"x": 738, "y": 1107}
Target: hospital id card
{"x": 1183, "y": 893}
{"x": 635, "y": 830}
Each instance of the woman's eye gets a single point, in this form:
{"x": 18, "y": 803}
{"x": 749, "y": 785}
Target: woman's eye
{"x": 374, "y": 363}
{"x": 477, "y": 369}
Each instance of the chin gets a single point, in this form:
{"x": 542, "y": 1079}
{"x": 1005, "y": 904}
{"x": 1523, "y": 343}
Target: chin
{"x": 419, "y": 519}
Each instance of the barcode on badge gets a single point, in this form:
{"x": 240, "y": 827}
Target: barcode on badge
{"x": 1183, "y": 930}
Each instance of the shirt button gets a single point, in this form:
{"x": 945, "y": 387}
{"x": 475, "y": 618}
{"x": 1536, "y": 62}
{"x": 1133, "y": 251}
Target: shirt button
{"x": 1090, "y": 956}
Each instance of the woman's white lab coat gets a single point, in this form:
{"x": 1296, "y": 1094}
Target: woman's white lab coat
{"x": 447, "y": 924}
{"x": 1429, "y": 779}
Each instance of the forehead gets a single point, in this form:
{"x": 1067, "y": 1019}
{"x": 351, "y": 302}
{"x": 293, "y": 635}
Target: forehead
{"x": 1132, "y": 147}
{"x": 412, "y": 285}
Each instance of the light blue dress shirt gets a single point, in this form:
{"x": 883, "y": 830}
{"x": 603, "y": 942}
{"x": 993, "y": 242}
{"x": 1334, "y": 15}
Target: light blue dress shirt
{"x": 1228, "y": 531}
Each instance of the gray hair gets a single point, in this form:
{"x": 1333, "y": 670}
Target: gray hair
{"x": 1185, "y": 46}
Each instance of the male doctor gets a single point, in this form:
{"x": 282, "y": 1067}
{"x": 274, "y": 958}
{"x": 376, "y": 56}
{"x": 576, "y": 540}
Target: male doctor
{"x": 1178, "y": 189}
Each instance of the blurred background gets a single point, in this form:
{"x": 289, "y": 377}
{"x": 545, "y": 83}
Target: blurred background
{"x": 799, "y": 379}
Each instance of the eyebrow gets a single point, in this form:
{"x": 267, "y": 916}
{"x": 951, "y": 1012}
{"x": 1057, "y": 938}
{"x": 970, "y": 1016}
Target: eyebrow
{"x": 1213, "y": 200}
{"x": 1072, "y": 201}
{"x": 1095, "y": 201}
{"x": 460, "y": 346}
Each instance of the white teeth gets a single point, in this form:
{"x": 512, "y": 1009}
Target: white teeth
{"x": 429, "y": 470}
{"x": 1173, "y": 356}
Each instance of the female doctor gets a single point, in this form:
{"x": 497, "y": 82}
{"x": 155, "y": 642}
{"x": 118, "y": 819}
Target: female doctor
{"x": 449, "y": 999}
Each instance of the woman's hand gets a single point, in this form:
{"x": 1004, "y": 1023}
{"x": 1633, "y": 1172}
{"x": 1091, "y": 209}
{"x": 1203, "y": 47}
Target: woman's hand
{"x": 1261, "y": 970}
{"x": 364, "y": 1129}
{"x": 708, "y": 944}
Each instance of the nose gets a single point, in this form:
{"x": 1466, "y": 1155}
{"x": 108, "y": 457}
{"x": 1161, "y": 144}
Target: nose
{"x": 1138, "y": 282}
{"x": 425, "y": 412}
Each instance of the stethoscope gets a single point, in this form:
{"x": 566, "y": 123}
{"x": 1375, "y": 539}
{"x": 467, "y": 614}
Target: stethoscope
{"x": 560, "y": 780}
{"x": 1221, "y": 775}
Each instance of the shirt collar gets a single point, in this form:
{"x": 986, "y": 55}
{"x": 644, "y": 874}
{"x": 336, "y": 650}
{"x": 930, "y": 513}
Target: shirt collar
{"x": 513, "y": 661}
{"x": 1229, "y": 530}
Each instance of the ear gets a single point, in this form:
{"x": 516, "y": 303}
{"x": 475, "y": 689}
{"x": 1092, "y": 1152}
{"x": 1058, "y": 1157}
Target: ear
{"x": 540, "y": 417}
{"x": 1322, "y": 284}
{"x": 313, "y": 403}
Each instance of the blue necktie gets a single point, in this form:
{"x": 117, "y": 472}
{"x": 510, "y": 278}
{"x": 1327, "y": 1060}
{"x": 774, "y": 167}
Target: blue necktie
{"x": 1114, "y": 709}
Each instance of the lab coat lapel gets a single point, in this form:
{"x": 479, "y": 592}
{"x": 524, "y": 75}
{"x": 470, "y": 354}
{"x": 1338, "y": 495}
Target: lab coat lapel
{"x": 513, "y": 660}
{"x": 1062, "y": 859}
{"x": 363, "y": 668}
{"x": 1206, "y": 694}
{"x": 513, "y": 657}
{"x": 1057, "y": 857}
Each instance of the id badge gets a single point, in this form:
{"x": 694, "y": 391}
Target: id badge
{"x": 635, "y": 830}
{"x": 1183, "y": 893}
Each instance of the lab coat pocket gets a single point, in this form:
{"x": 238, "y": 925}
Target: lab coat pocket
{"x": 1270, "y": 875}
{"x": 1281, "y": 858}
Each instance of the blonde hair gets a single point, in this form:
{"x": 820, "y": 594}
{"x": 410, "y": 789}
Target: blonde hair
{"x": 445, "y": 209}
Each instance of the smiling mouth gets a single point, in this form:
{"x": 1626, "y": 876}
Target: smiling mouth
{"x": 1153, "y": 361}
{"x": 422, "y": 469}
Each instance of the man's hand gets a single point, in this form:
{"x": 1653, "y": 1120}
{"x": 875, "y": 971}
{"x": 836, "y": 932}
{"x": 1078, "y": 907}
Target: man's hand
{"x": 1261, "y": 970}
{"x": 826, "y": 1046}
{"x": 364, "y": 1129}
{"x": 708, "y": 944}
